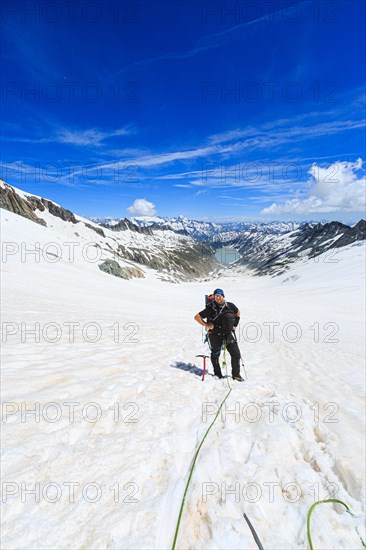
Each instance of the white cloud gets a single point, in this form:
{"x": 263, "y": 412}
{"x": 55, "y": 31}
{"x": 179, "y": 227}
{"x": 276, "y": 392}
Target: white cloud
{"x": 142, "y": 207}
{"x": 88, "y": 137}
{"x": 91, "y": 136}
{"x": 334, "y": 189}
{"x": 162, "y": 158}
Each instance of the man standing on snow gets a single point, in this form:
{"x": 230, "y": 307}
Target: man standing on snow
{"x": 222, "y": 319}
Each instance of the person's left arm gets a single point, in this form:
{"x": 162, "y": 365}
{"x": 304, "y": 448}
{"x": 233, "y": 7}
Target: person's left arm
{"x": 237, "y": 319}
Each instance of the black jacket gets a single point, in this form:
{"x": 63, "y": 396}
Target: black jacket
{"x": 221, "y": 316}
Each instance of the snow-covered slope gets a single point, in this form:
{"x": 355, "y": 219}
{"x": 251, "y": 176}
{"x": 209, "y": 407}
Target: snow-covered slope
{"x": 109, "y": 366}
{"x": 173, "y": 256}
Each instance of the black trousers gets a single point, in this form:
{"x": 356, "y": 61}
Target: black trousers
{"x": 216, "y": 341}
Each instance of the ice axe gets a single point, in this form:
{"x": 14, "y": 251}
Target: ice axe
{"x": 204, "y": 365}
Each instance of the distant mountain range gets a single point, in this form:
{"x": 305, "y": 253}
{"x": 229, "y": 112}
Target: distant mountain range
{"x": 183, "y": 249}
{"x": 203, "y": 230}
{"x": 265, "y": 253}
{"x": 264, "y": 248}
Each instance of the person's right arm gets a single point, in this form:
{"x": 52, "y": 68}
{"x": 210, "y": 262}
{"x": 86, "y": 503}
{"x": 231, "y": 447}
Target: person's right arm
{"x": 199, "y": 320}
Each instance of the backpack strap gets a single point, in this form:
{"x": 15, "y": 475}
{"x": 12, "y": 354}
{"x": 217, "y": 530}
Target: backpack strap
{"x": 220, "y": 311}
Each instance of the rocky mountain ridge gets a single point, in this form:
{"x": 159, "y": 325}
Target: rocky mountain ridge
{"x": 274, "y": 254}
{"x": 175, "y": 257}
{"x": 181, "y": 249}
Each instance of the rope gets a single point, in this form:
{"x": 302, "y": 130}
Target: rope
{"x": 196, "y": 455}
{"x": 255, "y": 536}
{"x": 320, "y": 502}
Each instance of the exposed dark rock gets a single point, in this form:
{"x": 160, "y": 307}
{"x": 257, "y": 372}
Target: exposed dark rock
{"x": 274, "y": 256}
{"x": 113, "y": 268}
{"x": 360, "y": 229}
{"x": 322, "y": 237}
{"x": 10, "y": 200}
{"x": 355, "y": 233}
{"x": 98, "y": 230}
{"x": 36, "y": 203}
{"x": 124, "y": 224}
{"x": 186, "y": 263}
{"x": 59, "y": 211}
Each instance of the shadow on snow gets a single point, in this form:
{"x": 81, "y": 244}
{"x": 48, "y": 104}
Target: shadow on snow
{"x": 188, "y": 367}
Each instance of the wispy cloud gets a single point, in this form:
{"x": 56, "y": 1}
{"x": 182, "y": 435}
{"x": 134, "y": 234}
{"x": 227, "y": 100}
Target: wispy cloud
{"x": 200, "y": 192}
{"x": 165, "y": 158}
{"x": 211, "y": 41}
{"x": 32, "y": 51}
{"x": 231, "y": 198}
{"x": 226, "y": 158}
{"x": 91, "y": 136}
{"x": 254, "y": 139}
{"x": 281, "y": 134}
{"x": 88, "y": 137}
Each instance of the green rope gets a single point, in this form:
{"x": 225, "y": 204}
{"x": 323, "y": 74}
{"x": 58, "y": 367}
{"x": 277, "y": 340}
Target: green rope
{"x": 320, "y": 502}
{"x": 196, "y": 455}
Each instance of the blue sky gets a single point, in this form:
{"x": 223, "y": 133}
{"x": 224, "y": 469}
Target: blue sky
{"x": 214, "y": 110}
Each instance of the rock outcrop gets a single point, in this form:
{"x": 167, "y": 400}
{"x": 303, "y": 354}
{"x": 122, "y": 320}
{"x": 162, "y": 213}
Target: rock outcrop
{"x": 113, "y": 268}
{"x": 98, "y": 230}
{"x": 11, "y": 201}
{"x": 26, "y": 207}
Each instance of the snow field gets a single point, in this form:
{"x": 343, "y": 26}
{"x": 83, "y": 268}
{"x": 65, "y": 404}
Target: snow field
{"x": 150, "y": 374}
